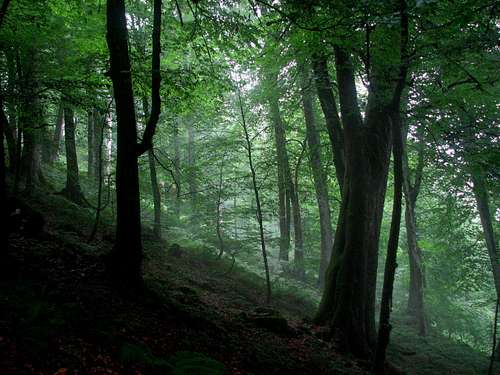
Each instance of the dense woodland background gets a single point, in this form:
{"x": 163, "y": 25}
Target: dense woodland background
{"x": 345, "y": 154}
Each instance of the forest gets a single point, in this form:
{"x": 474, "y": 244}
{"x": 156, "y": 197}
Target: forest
{"x": 249, "y": 187}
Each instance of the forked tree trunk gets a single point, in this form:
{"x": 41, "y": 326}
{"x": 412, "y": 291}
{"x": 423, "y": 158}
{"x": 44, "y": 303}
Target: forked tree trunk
{"x": 155, "y": 189}
{"x": 320, "y": 182}
{"x": 125, "y": 261}
{"x": 332, "y": 119}
{"x": 348, "y": 302}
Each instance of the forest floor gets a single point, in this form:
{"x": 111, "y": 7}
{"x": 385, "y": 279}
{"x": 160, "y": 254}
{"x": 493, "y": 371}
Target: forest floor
{"x": 59, "y": 314}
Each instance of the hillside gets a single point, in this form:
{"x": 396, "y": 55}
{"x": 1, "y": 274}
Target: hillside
{"x": 60, "y": 314}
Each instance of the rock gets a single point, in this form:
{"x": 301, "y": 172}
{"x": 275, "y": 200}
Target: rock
{"x": 270, "y": 320}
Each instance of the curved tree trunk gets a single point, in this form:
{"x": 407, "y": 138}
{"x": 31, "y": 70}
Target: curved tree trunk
{"x": 332, "y": 119}
{"x": 320, "y": 182}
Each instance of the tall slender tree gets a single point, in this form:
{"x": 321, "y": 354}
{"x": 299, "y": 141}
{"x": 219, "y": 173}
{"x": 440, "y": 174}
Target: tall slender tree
{"x": 320, "y": 183}
{"x": 125, "y": 260}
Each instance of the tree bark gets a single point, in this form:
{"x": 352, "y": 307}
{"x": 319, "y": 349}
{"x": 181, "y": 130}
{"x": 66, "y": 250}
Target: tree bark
{"x": 125, "y": 260}
{"x": 72, "y": 189}
{"x": 320, "y": 182}
{"x": 332, "y": 119}
{"x": 156, "y": 195}
{"x": 297, "y": 221}
{"x": 155, "y": 189}
{"x": 385, "y": 327}
{"x": 57, "y": 136}
{"x": 348, "y": 301}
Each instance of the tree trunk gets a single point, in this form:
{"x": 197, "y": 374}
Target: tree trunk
{"x": 332, "y": 120}
{"x": 416, "y": 289}
{"x": 91, "y": 144}
{"x": 156, "y": 195}
{"x": 10, "y": 127}
{"x": 297, "y": 225}
{"x": 57, "y": 136}
{"x": 125, "y": 260}
{"x": 320, "y": 182}
{"x": 30, "y": 171}
{"x": 257, "y": 198}
{"x": 385, "y": 327}
{"x": 4, "y": 214}
{"x": 483, "y": 207}
{"x": 72, "y": 189}
{"x": 218, "y": 218}
{"x": 99, "y": 121}
{"x": 177, "y": 171}
{"x": 348, "y": 301}
{"x": 281, "y": 159}
{"x": 192, "y": 178}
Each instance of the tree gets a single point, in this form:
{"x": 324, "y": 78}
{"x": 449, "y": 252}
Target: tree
{"x": 348, "y": 302}
{"x": 125, "y": 260}
{"x": 72, "y": 190}
{"x": 411, "y": 191}
{"x": 320, "y": 184}
{"x": 248, "y": 148}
